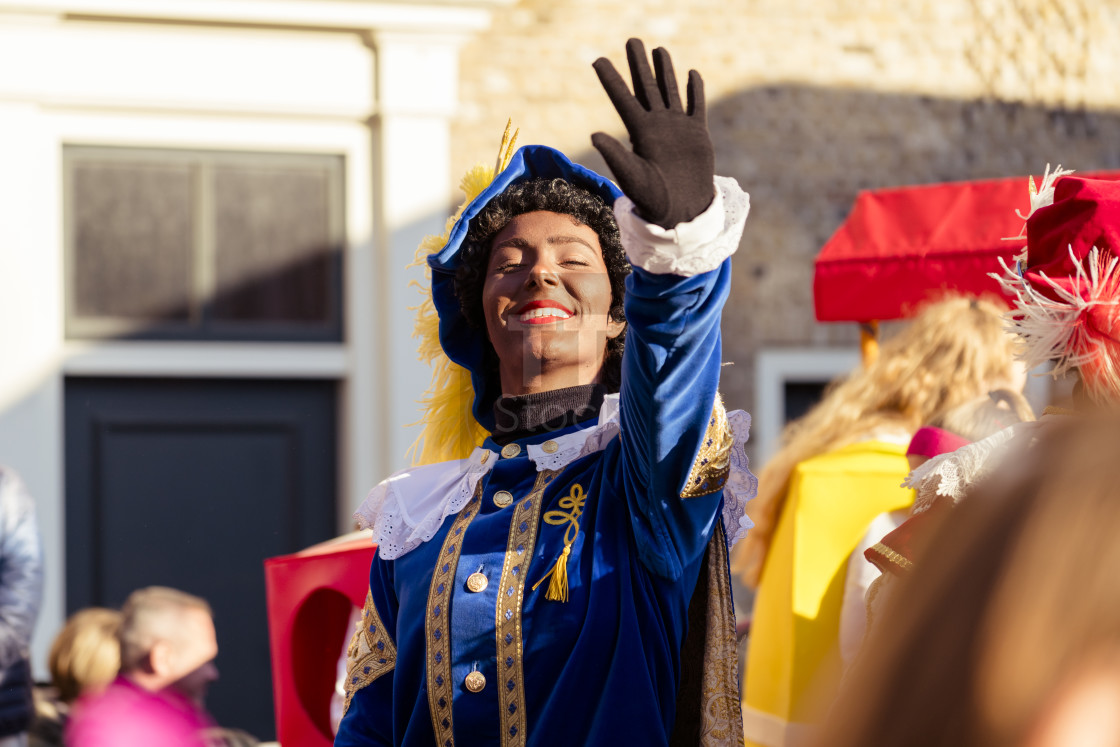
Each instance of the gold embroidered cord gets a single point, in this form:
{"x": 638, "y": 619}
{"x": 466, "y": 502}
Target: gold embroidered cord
{"x": 558, "y": 586}
{"x": 507, "y": 614}
{"x": 371, "y": 652}
{"x": 437, "y": 628}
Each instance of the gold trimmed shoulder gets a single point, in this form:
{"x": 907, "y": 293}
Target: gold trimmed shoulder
{"x": 371, "y": 653}
{"x": 713, "y": 462}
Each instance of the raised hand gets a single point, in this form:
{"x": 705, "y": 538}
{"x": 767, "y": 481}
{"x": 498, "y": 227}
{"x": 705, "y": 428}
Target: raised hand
{"x": 669, "y": 172}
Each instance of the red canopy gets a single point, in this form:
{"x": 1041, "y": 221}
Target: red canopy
{"x": 902, "y": 246}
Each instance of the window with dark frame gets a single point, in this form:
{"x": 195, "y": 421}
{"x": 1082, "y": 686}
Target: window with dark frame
{"x": 203, "y": 245}
{"x": 800, "y": 397}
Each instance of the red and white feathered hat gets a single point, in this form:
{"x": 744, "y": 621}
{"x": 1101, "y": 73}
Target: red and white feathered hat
{"x": 1066, "y": 283}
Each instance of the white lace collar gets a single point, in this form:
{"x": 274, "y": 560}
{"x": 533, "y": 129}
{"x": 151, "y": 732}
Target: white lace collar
{"x": 409, "y": 507}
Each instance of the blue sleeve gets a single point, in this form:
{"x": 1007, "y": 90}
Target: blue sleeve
{"x": 370, "y": 665}
{"x": 670, "y": 377}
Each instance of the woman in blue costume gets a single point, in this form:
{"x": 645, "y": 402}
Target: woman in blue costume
{"x": 567, "y": 582}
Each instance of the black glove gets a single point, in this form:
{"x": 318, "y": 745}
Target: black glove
{"x": 669, "y": 173}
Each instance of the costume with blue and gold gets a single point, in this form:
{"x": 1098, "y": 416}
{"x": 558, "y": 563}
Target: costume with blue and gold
{"x": 539, "y": 592}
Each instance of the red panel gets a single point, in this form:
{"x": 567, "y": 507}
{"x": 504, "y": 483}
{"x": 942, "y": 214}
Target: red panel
{"x": 900, "y": 247}
{"x": 310, "y": 596}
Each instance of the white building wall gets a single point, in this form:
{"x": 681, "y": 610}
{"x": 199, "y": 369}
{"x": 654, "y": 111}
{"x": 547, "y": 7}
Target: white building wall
{"x": 375, "y": 82}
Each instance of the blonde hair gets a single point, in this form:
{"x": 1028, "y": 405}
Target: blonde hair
{"x": 85, "y": 655}
{"x": 952, "y": 351}
{"x": 985, "y": 415}
{"x": 150, "y": 615}
{"x": 1015, "y": 597}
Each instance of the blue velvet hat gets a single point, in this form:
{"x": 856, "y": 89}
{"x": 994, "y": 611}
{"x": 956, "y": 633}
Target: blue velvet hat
{"x": 463, "y": 343}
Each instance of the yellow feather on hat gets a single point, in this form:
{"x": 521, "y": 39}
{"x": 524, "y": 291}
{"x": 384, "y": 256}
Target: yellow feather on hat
{"x": 450, "y": 430}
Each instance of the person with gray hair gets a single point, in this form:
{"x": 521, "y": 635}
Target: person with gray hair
{"x": 168, "y": 646}
{"x": 21, "y": 591}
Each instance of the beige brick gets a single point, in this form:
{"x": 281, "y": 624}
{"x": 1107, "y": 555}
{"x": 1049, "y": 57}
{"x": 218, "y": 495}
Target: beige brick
{"x": 810, "y": 102}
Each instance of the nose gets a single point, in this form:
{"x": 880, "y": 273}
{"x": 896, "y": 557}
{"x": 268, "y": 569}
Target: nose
{"x": 543, "y": 273}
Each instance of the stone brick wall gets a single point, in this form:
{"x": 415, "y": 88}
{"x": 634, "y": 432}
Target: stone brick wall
{"x": 809, "y": 102}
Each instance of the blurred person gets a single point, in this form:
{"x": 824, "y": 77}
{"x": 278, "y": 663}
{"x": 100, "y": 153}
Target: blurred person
{"x": 21, "y": 592}
{"x": 890, "y": 544}
{"x": 839, "y": 467}
{"x": 167, "y": 649}
{"x": 536, "y": 585}
{"x": 1066, "y": 312}
{"x": 985, "y": 415}
{"x": 1007, "y": 631}
{"x": 221, "y": 737}
{"x": 84, "y": 658}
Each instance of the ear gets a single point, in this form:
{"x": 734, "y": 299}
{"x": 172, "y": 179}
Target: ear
{"x": 614, "y": 328}
{"x": 160, "y": 658}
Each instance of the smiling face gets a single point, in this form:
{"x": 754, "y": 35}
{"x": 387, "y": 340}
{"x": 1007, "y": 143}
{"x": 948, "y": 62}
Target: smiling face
{"x": 546, "y": 300}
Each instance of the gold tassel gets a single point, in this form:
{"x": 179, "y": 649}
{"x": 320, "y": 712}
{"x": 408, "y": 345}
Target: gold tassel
{"x": 558, "y": 586}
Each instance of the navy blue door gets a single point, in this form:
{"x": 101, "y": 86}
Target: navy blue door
{"x": 191, "y": 484}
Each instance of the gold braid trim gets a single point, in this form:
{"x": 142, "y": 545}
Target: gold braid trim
{"x": 371, "y": 653}
{"x": 507, "y": 614}
{"x": 713, "y": 461}
{"x": 437, "y": 622}
{"x": 900, "y": 560}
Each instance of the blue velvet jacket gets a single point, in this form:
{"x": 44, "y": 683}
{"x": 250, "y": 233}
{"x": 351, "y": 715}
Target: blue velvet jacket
{"x": 457, "y": 646}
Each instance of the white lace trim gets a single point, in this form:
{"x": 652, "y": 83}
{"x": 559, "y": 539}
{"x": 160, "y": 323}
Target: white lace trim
{"x": 741, "y": 484}
{"x": 951, "y": 475}
{"x": 404, "y": 518}
{"x": 435, "y": 491}
{"x": 690, "y": 248}
{"x": 568, "y": 448}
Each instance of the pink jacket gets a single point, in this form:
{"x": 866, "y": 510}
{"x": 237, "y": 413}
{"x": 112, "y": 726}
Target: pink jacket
{"x": 127, "y": 715}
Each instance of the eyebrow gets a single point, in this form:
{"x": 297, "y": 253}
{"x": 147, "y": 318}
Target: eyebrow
{"x": 520, "y": 243}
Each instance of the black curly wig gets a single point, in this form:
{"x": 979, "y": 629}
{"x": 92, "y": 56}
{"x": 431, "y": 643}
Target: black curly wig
{"x": 556, "y": 196}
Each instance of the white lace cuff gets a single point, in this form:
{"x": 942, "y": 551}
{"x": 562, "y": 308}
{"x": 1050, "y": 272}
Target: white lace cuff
{"x": 690, "y": 248}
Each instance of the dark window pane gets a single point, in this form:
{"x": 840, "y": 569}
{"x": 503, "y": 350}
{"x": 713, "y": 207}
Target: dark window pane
{"x": 133, "y": 237}
{"x": 204, "y": 245}
{"x": 274, "y": 245}
{"x": 802, "y": 396}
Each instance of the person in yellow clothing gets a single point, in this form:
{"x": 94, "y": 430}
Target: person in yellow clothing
{"x": 841, "y": 466}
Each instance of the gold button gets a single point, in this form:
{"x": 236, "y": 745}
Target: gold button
{"x": 509, "y": 451}
{"x": 485, "y": 456}
{"x": 475, "y": 681}
{"x": 477, "y": 581}
{"x": 550, "y": 447}
{"x": 503, "y": 498}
